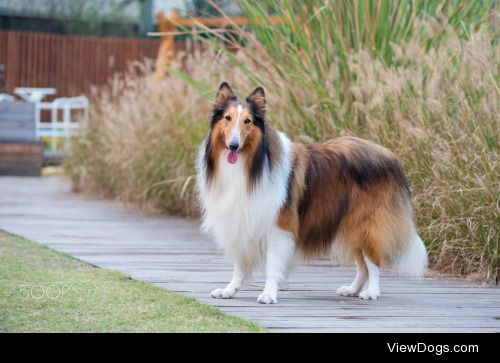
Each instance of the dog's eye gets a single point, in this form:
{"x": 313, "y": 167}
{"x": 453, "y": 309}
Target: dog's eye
{"x": 228, "y": 118}
{"x": 247, "y": 121}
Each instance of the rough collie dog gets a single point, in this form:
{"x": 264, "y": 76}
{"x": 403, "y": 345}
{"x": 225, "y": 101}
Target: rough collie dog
{"x": 267, "y": 200}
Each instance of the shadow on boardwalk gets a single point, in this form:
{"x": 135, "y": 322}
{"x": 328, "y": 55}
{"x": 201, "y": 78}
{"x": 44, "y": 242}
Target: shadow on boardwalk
{"x": 171, "y": 253}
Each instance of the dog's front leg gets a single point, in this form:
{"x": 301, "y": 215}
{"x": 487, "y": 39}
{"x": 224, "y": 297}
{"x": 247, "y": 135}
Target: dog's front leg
{"x": 279, "y": 259}
{"x": 236, "y": 283}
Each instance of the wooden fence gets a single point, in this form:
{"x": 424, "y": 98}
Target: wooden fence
{"x": 69, "y": 63}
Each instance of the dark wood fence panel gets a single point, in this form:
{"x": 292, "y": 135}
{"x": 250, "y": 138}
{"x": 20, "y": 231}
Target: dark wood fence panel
{"x": 69, "y": 63}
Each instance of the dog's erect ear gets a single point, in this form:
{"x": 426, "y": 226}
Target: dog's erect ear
{"x": 258, "y": 100}
{"x": 224, "y": 94}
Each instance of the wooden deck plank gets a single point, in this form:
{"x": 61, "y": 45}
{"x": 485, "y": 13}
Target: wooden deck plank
{"x": 170, "y": 253}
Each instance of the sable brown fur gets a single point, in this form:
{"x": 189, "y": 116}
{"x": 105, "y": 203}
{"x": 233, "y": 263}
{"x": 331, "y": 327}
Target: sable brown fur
{"x": 350, "y": 192}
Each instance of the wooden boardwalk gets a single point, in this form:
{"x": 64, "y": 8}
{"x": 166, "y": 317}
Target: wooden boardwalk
{"x": 171, "y": 253}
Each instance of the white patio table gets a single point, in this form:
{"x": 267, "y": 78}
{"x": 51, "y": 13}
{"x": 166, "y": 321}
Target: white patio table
{"x": 34, "y": 94}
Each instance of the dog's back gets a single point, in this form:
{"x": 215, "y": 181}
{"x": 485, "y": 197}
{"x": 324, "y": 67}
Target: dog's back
{"x": 346, "y": 193}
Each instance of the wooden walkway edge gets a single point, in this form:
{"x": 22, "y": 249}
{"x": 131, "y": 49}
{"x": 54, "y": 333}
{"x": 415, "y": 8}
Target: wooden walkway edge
{"x": 171, "y": 253}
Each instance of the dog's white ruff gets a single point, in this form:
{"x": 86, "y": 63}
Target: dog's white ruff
{"x": 243, "y": 223}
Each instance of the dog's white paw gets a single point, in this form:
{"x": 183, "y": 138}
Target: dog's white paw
{"x": 369, "y": 294}
{"x": 347, "y": 291}
{"x": 267, "y": 299}
{"x": 221, "y": 294}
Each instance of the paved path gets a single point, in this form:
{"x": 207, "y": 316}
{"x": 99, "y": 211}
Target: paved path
{"x": 171, "y": 253}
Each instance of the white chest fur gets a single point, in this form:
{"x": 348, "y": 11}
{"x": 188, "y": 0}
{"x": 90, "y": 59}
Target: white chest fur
{"x": 241, "y": 221}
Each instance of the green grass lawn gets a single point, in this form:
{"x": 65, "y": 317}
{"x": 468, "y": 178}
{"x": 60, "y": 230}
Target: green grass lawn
{"x": 42, "y": 290}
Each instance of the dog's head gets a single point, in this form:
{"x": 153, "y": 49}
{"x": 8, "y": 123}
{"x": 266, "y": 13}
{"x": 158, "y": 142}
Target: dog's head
{"x": 237, "y": 125}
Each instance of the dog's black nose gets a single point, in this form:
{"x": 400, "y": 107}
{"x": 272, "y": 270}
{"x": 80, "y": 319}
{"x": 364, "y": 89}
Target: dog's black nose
{"x": 234, "y": 146}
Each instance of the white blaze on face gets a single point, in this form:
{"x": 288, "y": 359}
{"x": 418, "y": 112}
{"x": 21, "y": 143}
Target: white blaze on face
{"x": 235, "y": 135}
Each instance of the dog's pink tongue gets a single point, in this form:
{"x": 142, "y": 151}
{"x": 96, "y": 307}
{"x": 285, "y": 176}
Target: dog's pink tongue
{"x": 232, "y": 156}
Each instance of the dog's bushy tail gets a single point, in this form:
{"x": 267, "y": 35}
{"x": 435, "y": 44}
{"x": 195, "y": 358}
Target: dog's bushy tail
{"x": 412, "y": 261}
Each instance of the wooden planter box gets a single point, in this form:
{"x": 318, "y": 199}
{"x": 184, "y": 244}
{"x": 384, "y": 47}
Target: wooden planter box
{"x": 23, "y": 159}
{"x": 20, "y": 151}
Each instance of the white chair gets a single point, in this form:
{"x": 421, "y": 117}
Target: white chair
{"x": 63, "y": 128}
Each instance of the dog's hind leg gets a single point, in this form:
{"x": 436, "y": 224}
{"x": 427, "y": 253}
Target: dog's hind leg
{"x": 372, "y": 255}
{"x": 372, "y": 292}
{"x": 359, "y": 280}
{"x": 239, "y": 278}
{"x": 280, "y": 255}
